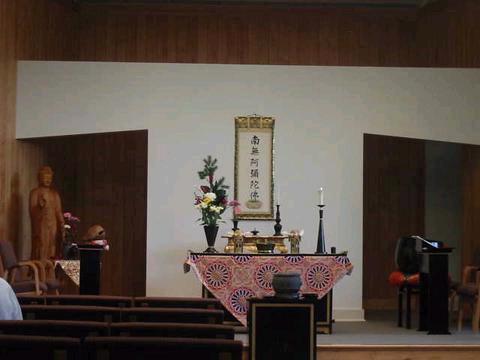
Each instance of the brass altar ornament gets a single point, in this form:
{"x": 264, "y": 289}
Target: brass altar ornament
{"x": 238, "y": 242}
{"x": 295, "y": 236}
{"x": 250, "y": 243}
{"x": 264, "y": 246}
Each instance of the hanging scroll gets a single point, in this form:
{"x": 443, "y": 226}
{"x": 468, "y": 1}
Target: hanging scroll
{"x": 254, "y": 166}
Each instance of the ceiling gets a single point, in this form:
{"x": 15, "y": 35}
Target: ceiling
{"x": 377, "y": 3}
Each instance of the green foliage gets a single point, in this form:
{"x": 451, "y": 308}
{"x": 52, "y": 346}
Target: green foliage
{"x": 209, "y": 167}
{"x": 211, "y": 210}
{"x": 216, "y": 186}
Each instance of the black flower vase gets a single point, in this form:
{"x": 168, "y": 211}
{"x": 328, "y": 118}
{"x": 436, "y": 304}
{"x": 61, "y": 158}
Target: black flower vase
{"x": 211, "y": 235}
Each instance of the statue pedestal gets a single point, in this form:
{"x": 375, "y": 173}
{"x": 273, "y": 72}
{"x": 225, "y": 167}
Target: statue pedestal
{"x": 90, "y": 266}
{"x": 271, "y": 320}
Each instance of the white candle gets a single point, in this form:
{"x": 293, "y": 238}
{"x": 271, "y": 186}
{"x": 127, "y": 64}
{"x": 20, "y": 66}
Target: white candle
{"x": 320, "y": 197}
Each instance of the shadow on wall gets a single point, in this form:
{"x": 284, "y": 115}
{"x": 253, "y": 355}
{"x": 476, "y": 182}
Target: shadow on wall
{"x": 14, "y": 214}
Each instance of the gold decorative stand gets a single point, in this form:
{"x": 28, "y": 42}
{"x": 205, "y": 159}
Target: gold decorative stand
{"x": 250, "y": 243}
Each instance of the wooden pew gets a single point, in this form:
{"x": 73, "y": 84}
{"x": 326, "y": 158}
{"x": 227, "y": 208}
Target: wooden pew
{"x": 24, "y": 347}
{"x": 212, "y": 331}
{"x": 154, "y": 348}
{"x": 177, "y": 302}
{"x": 58, "y": 328}
{"x": 178, "y": 315}
{"x": 71, "y": 312}
{"x": 89, "y": 300}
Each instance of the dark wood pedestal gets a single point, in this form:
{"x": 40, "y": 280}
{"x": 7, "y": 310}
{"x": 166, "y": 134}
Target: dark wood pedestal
{"x": 282, "y": 329}
{"x": 90, "y": 267}
{"x": 434, "y": 290}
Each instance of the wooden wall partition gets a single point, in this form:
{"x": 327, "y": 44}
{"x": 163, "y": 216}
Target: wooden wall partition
{"x": 262, "y": 34}
{"x": 29, "y": 29}
{"x": 448, "y": 34}
{"x": 102, "y": 178}
{"x": 471, "y": 205}
{"x": 442, "y": 34}
{"x": 7, "y": 109}
{"x": 393, "y": 206}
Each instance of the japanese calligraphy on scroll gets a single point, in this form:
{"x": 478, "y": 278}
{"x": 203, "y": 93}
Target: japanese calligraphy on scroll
{"x": 254, "y": 166}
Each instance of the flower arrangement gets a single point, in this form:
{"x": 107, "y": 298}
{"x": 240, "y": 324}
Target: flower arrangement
{"x": 212, "y": 200}
{"x": 70, "y": 227}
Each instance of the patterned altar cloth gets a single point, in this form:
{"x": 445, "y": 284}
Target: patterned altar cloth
{"x": 234, "y": 278}
{"x": 71, "y": 268}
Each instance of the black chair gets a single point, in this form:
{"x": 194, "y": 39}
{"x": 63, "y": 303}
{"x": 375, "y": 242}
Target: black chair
{"x": 212, "y": 331}
{"x": 406, "y": 277}
{"x": 154, "y": 348}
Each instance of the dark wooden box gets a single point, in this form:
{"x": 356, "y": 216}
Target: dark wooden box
{"x": 282, "y": 329}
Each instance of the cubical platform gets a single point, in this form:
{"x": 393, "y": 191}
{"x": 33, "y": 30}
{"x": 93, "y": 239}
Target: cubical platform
{"x": 398, "y": 352}
{"x": 381, "y": 339}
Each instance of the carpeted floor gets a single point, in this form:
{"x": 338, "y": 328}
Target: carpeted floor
{"x": 380, "y": 328}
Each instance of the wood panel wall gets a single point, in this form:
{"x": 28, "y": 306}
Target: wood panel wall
{"x": 262, "y": 34}
{"x": 448, "y": 34}
{"x": 442, "y": 34}
{"x": 7, "y": 109}
{"x": 102, "y": 179}
{"x": 393, "y": 206}
{"x": 29, "y": 29}
{"x": 471, "y": 205}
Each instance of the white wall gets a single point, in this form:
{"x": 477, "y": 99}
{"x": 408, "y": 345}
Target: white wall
{"x": 322, "y": 114}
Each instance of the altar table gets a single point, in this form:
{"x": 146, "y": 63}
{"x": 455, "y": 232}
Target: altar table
{"x": 234, "y": 278}
{"x": 71, "y": 268}
{"x": 68, "y": 273}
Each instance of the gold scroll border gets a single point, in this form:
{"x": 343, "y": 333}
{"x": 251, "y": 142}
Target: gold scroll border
{"x": 255, "y": 122}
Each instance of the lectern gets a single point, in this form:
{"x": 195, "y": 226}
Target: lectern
{"x": 434, "y": 288}
{"x": 90, "y": 266}
{"x": 282, "y": 329}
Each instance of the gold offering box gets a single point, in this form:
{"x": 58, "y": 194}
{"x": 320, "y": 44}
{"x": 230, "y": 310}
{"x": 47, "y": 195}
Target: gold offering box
{"x": 250, "y": 243}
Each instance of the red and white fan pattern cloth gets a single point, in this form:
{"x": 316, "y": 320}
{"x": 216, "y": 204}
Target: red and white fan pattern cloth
{"x": 234, "y": 278}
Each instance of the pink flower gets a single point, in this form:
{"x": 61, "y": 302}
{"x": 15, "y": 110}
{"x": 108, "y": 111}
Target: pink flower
{"x": 100, "y": 242}
{"x": 236, "y": 206}
{"x": 67, "y": 215}
{"x": 234, "y": 203}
